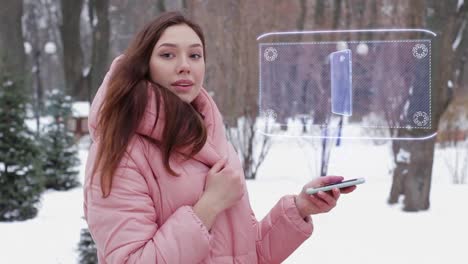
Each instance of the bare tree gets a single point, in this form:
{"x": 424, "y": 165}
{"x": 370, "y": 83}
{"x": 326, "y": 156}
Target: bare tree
{"x": 231, "y": 29}
{"x": 251, "y": 146}
{"x": 72, "y": 52}
{"x": 99, "y": 19}
{"x": 460, "y": 47}
{"x": 412, "y": 176}
{"x": 11, "y": 37}
{"x": 37, "y": 68}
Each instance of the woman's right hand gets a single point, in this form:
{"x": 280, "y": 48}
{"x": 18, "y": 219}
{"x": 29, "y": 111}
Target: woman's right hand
{"x": 224, "y": 186}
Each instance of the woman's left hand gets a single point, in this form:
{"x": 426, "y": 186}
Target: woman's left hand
{"x": 320, "y": 202}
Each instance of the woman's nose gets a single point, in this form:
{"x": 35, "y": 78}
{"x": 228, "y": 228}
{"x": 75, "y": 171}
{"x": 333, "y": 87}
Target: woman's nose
{"x": 183, "y": 66}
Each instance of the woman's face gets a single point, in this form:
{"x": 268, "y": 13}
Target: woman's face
{"x": 177, "y": 62}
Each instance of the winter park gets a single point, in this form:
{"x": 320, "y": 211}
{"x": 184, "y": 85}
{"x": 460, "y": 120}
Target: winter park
{"x": 290, "y": 93}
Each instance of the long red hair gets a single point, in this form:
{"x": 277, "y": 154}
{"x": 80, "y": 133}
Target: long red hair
{"x": 126, "y": 99}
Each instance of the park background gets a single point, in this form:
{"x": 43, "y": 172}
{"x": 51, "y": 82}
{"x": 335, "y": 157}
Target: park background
{"x": 54, "y": 54}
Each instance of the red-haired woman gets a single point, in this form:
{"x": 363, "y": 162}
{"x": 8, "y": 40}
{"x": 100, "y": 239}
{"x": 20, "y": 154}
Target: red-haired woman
{"x": 163, "y": 185}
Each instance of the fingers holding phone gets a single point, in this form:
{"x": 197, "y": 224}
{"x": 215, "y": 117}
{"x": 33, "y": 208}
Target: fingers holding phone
{"x": 346, "y": 186}
{"x": 321, "y": 194}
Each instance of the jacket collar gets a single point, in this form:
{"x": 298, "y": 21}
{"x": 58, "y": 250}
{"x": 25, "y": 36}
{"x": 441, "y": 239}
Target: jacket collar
{"x": 216, "y": 144}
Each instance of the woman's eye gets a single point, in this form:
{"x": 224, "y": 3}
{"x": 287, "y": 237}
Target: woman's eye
{"x": 166, "y": 55}
{"x": 195, "y": 56}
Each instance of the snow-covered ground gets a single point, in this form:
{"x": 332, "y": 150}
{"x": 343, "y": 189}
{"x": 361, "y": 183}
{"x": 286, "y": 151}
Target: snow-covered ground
{"x": 361, "y": 229}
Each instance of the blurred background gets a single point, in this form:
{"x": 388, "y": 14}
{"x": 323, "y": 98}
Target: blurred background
{"x": 55, "y": 53}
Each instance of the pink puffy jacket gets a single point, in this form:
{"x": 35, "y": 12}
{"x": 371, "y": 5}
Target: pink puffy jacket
{"x": 148, "y": 216}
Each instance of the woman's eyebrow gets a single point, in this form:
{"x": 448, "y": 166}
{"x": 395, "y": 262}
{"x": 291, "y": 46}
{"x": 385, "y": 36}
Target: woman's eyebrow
{"x": 175, "y": 45}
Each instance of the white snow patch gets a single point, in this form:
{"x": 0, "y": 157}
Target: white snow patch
{"x": 43, "y": 121}
{"x": 403, "y": 156}
{"x": 341, "y": 45}
{"x": 50, "y": 48}
{"x": 95, "y": 21}
{"x": 405, "y": 110}
{"x": 459, "y": 37}
{"x": 459, "y": 4}
{"x": 27, "y": 47}
{"x": 348, "y": 229}
{"x": 7, "y": 83}
{"x": 362, "y": 49}
{"x": 86, "y": 70}
{"x": 80, "y": 109}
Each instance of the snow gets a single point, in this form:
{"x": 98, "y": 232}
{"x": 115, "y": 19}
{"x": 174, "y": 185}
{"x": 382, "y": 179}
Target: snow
{"x": 362, "y": 49}
{"x": 459, "y": 37}
{"x": 27, "y": 48}
{"x": 50, "y": 48}
{"x": 405, "y": 110}
{"x": 7, "y": 83}
{"x": 95, "y": 21}
{"x": 80, "y": 109}
{"x": 53, "y": 9}
{"x": 362, "y": 229}
{"x": 430, "y": 12}
{"x": 86, "y": 71}
{"x": 17, "y": 169}
{"x": 403, "y": 156}
{"x": 43, "y": 121}
{"x": 113, "y": 8}
{"x": 341, "y": 45}
{"x": 459, "y": 4}
{"x": 42, "y": 22}
{"x": 387, "y": 9}
{"x": 462, "y": 122}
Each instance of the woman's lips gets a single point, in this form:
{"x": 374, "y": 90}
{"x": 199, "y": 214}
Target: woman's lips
{"x": 182, "y": 88}
{"x": 183, "y": 85}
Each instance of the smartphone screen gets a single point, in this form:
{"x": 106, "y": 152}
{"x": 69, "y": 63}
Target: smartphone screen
{"x": 336, "y": 183}
{"x": 342, "y": 184}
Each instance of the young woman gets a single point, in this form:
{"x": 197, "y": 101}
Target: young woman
{"x": 163, "y": 185}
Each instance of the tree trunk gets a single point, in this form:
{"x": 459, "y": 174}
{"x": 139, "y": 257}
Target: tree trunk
{"x": 412, "y": 175}
{"x": 101, "y": 41}
{"x": 461, "y": 52}
{"x": 72, "y": 52}
{"x": 12, "y": 57}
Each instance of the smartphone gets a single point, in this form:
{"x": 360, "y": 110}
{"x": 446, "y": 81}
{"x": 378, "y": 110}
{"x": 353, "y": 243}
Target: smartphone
{"x": 341, "y": 82}
{"x": 338, "y": 185}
